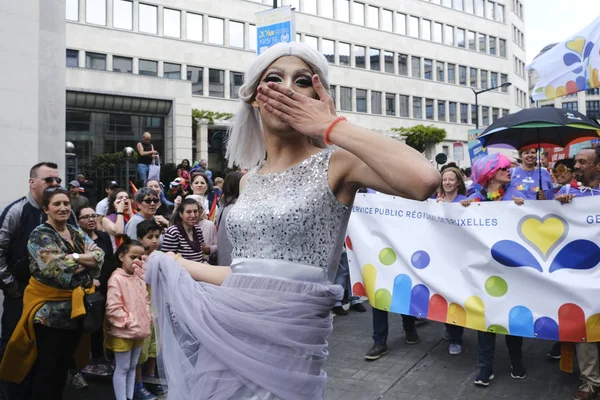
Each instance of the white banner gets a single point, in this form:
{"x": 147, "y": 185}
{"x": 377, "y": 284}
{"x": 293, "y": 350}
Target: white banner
{"x": 528, "y": 270}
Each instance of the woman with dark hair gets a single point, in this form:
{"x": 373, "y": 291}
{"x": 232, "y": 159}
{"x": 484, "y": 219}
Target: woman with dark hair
{"x": 183, "y": 170}
{"x": 120, "y": 211}
{"x": 231, "y": 192}
{"x": 563, "y": 172}
{"x": 184, "y": 236}
{"x": 63, "y": 263}
{"x": 202, "y": 186}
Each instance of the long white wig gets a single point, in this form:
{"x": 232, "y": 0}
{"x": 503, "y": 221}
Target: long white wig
{"x": 246, "y": 145}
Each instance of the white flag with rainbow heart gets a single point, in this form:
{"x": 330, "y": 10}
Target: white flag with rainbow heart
{"x": 531, "y": 270}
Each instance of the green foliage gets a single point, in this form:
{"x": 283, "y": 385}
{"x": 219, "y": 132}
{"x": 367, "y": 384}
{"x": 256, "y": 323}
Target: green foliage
{"x": 109, "y": 162}
{"x": 211, "y": 116}
{"x": 420, "y": 137}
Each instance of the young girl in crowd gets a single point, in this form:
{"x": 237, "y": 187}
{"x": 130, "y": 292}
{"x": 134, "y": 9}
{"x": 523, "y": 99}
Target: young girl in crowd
{"x": 127, "y": 316}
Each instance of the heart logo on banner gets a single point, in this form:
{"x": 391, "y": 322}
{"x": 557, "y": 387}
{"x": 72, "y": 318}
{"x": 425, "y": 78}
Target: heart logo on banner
{"x": 543, "y": 234}
{"x": 576, "y": 45}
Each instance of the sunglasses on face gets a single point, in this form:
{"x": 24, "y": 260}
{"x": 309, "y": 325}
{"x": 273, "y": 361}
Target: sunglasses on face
{"x": 504, "y": 169}
{"x": 91, "y": 216}
{"x": 51, "y": 179}
{"x": 561, "y": 169}
{"x": 151, "y": 201}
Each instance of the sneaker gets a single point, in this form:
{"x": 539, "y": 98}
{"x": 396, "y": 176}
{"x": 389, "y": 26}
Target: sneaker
{"x": 517, "y": 371}
{"x": 484, "y": 377}
{"x": 454, "y": 349}
{"x": 158, "y": 389}
{"x": 554, "y": 352}
{"x": 339, "y": 310}
{"x": 77, "y": 381}
{"x": 412, "y": 336}
{"x": 98, "y": 370}
{"x": 376, "y": 351}
{"x": 586, "y": 391}
{"x": 358, "y": 307}
{"x": 143, "y": 394}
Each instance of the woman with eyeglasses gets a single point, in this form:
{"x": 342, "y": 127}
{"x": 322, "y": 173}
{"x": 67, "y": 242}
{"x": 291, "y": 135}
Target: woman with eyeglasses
{"x": 119, "y": 213}
{"x": 148, "y": 202}
{"x": 563, "y": 172}
{"x": 63, "y": 263}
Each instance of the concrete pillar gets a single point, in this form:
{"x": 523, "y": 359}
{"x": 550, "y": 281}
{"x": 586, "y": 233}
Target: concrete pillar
{"x": 161, "y": 21}
{"x": 184, "y": 24}
{"x": 201, "y": 139}
{"x": 136, "y": 15}
{"x": 109, "y": 13}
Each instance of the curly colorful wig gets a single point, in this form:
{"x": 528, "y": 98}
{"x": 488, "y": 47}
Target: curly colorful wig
{"x": 486, "y": 167}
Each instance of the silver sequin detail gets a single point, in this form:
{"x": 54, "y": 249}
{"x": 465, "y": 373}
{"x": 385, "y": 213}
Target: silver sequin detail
{"x": 291, "y": 215}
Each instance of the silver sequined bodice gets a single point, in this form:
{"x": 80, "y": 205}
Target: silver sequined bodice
{"x": 291, "y": 215}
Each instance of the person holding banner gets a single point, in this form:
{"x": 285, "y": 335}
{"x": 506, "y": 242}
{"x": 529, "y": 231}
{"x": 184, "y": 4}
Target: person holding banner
{"x": 452, "y": 189}
{"x": 258, "y": 329}
{"x": 525, "y": 178}
{"x": 563, "y": 172}
{"x": 492, "y": 172}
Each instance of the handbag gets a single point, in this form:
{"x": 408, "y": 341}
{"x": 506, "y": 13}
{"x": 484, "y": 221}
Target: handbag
{"x": 154, "y": 170}
{"x": 93, "y": 319}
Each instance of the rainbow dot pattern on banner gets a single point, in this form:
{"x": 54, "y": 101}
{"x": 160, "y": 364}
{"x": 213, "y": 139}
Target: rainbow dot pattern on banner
{"x": 418, "y": 301}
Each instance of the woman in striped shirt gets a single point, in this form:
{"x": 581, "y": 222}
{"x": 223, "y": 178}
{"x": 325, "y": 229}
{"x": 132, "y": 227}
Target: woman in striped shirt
{"x": 185, "y": 237}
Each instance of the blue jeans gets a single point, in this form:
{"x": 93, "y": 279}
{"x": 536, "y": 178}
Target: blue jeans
{"x": 455, "y": 333}
{"x": 486, "y": 347}
{"x": 341, "y": 278}
{"x": 380, "y": 325}
{"x": 143, "y": 170}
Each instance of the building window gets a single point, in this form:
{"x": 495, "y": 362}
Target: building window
{"x": 216, "y": 83}
{"x": 386, "y": 20}
{"x": 326, "y": 8}
{"x": 404, "y": 112}
{"x": 491, "y": 14}
{"x": 148, "y": 68}
{"x": 358, "y": 13}
{"x": 122, "y": 64}
{"x": 172, "y": 71}
{"x": 388, "y": 59}
{"x": 437, "y": 32}
{"x": 361, "y": 100}
{"x": 570, "y": 105}
{"x": 471, "y": 38}
{"x": 345, "y": 98}
{"x": 593, "y": 92}
{"x": 401, "y": 24}
{"x": 148, "y": 19}
{"x": 428, "y": 68}
{"x": 413, "y": 27}
{"x": 458, "y": 5}
{"x": 417, "y": 108}
{"x": 469, "y": 6}
{"x": 485, "y": 115}
{"x": 416, "y": 67}
{"x": 72, "y": 58}
{"x": 236, "y": 34}
{"x": 344, "y": 50}
{"x": 473, "y": 80}
{"x": 329, "y": 50}
{"x": 375, "y": 102}
{"x": 333, "y": 95}
{"x": 196, "y": 76}
{"x": 215, "y": 31}
{"x": 492, "y": 41}
{"x": 95, "y": 61}
{"x": 195, "y": 24}
{"x": 439, "y": 66}
{"x": 374, "y": 56}
{"x": 452, "y": 111}
{"x": 373, "y": 21}
{"x": 95, "y": 12}
{"x": 425, "y": 29}
{"x": 495, "y": 113}
{"x": 252, "y": 37}
{"x": 429, "y": 109}
{"x": 503, "y": 80}
{"x": 500, "y": 13}
{"x": 505, "y": 112}
{"x": 403, "y": 64}
{"x": 449, "y": 36}
{"x": 359, "y": 57}
{"x": 482, "y": 43}
{"x": 123, "y": 14}
{"x": 312, "y": 41}
{"x": 441, "y": 110}
{"x": 390, "y": 104}
{"x": 483, "y": 76}
{"x": 72, "y": 10}
{"x": 447, "y": 3}
{"x": 464, "y": 113}
{"x": 474, "y": 115}
{"x": 343, "y": 10}
{"x": 310, "y": 7}
{"x": 460, "y": 37}
{"x": 446, "y": 150}
{"x": 480, "y": 8}
{"x": 462, "y": 75}
{"x": 236, "y": 80}
{"x": 451, "y": 73}
{"x": 502, "y": 47}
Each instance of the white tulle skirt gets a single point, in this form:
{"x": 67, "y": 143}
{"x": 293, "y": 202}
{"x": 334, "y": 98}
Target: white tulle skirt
{"x": 254, "y": 337}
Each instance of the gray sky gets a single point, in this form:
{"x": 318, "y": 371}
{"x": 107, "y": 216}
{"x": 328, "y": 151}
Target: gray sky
{"x": 551, "y": 21}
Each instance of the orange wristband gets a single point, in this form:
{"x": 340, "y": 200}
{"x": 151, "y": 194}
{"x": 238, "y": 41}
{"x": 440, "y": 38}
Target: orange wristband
{"x": 330, "y": 128}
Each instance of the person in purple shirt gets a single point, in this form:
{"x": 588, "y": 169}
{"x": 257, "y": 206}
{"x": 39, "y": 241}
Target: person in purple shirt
{"x": 590, "y": 187}
{"x": 525, "y": 178}
{"x": 452, "y": 189}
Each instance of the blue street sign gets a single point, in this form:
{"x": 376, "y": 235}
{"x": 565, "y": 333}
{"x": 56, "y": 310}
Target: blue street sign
{"x": 274, "y": 26}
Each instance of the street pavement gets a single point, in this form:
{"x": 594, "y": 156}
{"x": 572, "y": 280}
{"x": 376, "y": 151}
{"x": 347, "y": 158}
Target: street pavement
{"x": 415, "y": 372}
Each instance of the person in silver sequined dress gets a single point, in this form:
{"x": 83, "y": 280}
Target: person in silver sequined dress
{"x": 258, "y": 328}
